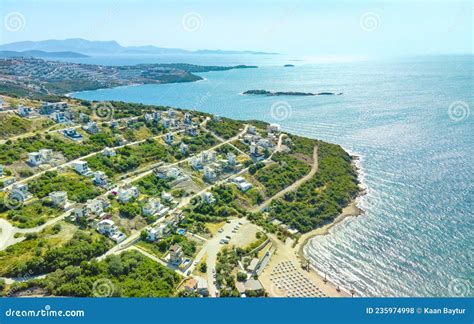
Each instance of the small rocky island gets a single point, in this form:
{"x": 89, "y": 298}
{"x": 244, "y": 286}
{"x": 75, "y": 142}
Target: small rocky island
{"x": 288, "y": 65}
{"x": 289, "y": 93}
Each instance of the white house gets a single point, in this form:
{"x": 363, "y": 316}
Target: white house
{"x": 100, "y": 178}
{"x": 196, "y": 163}
{"x": 95, "y": 206}
{"x": 152, "y": 206}
{"x": 127, "y": 194}
{"x": 72, "y": 134}
{"x": 166, "y": 122}
{"x": 192, "y": 130}
{"x": 91, "y": 127}
{"x": 166, "y": 196}
{"x": 59, "y": 117}
{"x": 183, "y": 148}
{"x": 82, "y": 167}
{"x": 251, "y": 130}
{"x": 20, "y": 192}
{"x": 109, "y": 152}
{"x": 188, "y": 119}
{"x": 173, "y": 173}
{"x": 209, "y": 198}
{"x": 106, "y": 226}
{"x": 171, "y": 113}
{"x": 209, "y": 173}
{"x": 273, "y": 128}
{"x": 169, "y": 138}
{"x": 242, "y": 184}
{"x": 34, "y": 158}
{"x": 23, "y": 111}
{"x": 231, "y": 158}
{"x": 58, "y": 198}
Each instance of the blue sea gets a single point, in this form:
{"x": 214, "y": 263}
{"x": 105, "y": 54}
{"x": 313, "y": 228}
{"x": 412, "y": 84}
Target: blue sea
{"x": 410, "y": 120}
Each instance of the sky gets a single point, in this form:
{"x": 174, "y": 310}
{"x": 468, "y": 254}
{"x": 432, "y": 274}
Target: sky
{"x": 358, "y": 28}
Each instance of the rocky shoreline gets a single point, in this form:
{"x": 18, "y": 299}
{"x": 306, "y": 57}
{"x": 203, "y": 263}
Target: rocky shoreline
{"x": 289, "y": 93}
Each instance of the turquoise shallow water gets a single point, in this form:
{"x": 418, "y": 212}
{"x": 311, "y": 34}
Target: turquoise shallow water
{"x": 416, "y": 235}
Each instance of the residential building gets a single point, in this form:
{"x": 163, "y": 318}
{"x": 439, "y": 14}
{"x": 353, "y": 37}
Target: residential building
{"x": 23, "y": 111}
{"x": 252, "y": 130}
{"x": 82, "y": 168}
{"x": 231, "y": 158}
{"x": 59, "y": 117}
{"x": 80, "y": 210}
{"x": 209, "y": 173}
{"x": 20, "y": 192}
{"x": 273, "y": 128}
{"x": 166, "y": 196}
{"x": 242, "y": 184}
{"x": 106, "y": 226}
{"x": 72, "y": 134}
{"x": 192, "y": 130}
{"x": 100, "y": 178}
{"x": 58, "y": 198}
{"x": 209, "y": 197}
{"x": 109, "y": 152}
{"x": 183, "y": 148}
{"x": 127, "y": 194}
{"x": 169, "y": 138}
{"x": 188, "y": 119}
{"x": 34, "y": 158}
{"x": 176, "y": 254}
{"x": 91, "y": 127}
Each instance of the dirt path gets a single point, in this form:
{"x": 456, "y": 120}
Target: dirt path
{"x": 293, "y": 186}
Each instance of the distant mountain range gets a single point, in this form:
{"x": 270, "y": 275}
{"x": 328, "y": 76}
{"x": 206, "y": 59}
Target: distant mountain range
{"x": 41, "y": 54}
{"x": 82, "y": 46}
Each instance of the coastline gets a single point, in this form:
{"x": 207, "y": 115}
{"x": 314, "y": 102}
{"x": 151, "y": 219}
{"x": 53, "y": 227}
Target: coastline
{"x": 294, "y": 251}
{"x": 351, "y": 210}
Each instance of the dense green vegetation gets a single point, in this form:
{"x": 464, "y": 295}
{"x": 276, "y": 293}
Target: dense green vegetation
{"x": 13, "y": 125}
{"x": 29, "y": 215}
{"x": 83, "y": 246}
{"x": 129, "y": 158}
{"x": 225, "y": 128}
{"x": 152, "y": 185}
{"x": 319, "y": 200}
{"x": 16, "y": 255}
{"x": 17, "y": 150}
{"x": 283, "y": 173}
{"x": 162, "y": 246}
{"x": 225, "y": 206}
{"x": 77, "y": 188}
{"x": 128, "y": 275}
{"x": 227, "y": 260}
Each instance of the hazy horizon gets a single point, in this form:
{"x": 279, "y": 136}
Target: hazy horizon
{"x": 341, "y": 28}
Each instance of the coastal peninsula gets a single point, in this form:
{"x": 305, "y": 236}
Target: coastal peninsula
{"x": 185, "y": 196}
